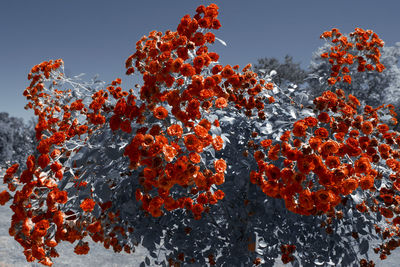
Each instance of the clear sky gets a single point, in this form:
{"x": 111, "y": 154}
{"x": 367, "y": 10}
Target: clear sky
{"x": 96, "y": 36}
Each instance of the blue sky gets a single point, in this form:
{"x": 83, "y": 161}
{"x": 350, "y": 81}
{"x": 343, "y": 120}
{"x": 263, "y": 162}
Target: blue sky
{"x": 95, "y": 37}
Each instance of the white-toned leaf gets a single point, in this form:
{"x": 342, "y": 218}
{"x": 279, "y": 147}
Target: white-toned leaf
{"x": 227, "y": 119}
{"x": 267, "y": 129}
{"x": 357, "y": 197}
{"x": 259, "y": 251}
{"x": 307, "y": 112}
{"x": 79, "y": 75}
{"x": 292, "y": 113}
{"x": 262, "y": 244}
{"x": 221, "y": 41}
{"x": 330, "y": 262}
{"x": 272, "y": 73}
{"x": 215, "y": 130}
{"x": 225, "y": 138}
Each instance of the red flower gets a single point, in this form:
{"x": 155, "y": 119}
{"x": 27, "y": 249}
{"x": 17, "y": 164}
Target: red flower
{"x": 220, "y": 165}
{"x": 175, "y": 130}
{"x": 187, "y": 70}
{"x": 227, "y": 71}
{"x": 321, "y": 133}
{"x": 362, "y": 165}
{"x": 115, "y": 122}
{"x": 347, "y": 79}
{"x": 311, "y": 122}
{"x": 367, "y": 127}
{"x": 219, "y": 194}
{"x": 57, "y": 138}
{"x": 217, "y": 143}
{"x": 216, "y": 69}
{"x": 12, "y": 170}
{"x": 324, "y": 117}
{"x": 329, "y": 147}
{"x": 41, "y": 227}
{"x": 87, "y": 205}
{"x": 43, "y": 160}
{"x": 221, "y": 102}
{"x": 299, "y": 129}
{"x": 82, "y": 249}
{"x": 61, "y": 197}
{"x": 160, "y": 113}
{"x": 4, "y": 197}
{"x": 192, "y": 142}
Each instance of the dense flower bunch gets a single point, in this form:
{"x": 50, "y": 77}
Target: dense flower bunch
{"x": 361, "y": 46}
{"x": 178, "y": 69}
{"x": 329, "y": 156}
{"x": 163, "y": 132}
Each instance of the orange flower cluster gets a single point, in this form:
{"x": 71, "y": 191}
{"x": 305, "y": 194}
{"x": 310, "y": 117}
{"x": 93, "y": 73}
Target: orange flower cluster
{"x": 345, "y": 51}
{"x": 165, "y": 165}
{"x": 333, "y": 155}
{"x": 31, "y": 224}
{"x": 171, "y": 155}
{"x": 179, "y": 60}
{"x": 329, "y": 157}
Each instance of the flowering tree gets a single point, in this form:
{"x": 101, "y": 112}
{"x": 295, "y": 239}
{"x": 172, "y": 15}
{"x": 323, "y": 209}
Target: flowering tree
{"x": 207, "y": 164}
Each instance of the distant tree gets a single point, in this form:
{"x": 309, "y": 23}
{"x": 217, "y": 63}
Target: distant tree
{"x": 286, "y": 72}
{"x": 369, "y": 87}
{"x": 16, "y": 139}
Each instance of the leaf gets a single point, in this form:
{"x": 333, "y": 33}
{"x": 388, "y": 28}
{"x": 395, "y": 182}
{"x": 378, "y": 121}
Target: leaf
{"x": 79, "y": 75}
{"x": 292, "y": 112}
{"x": 330, "y": 262}
{"x": 227, "y": 119}
{"x": 211, "y": 151}
{"x": 307, "y": 112}
{"x": 262, "y": 71}
{"x": 246, "y": 163}
{"x": 319, "y": 263}
{"x": 267, "y": 129}
{"x": 364, "y": 246}
{"x": 259, "y": 251}
{"x": 113, "y": 153}
{"x": 262, "y": 244}
{"x": 215, "y": 130}
{"x": 221, "y": 41}
{"x": 357, "y": 197}
{"x": 225, "y": 138}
